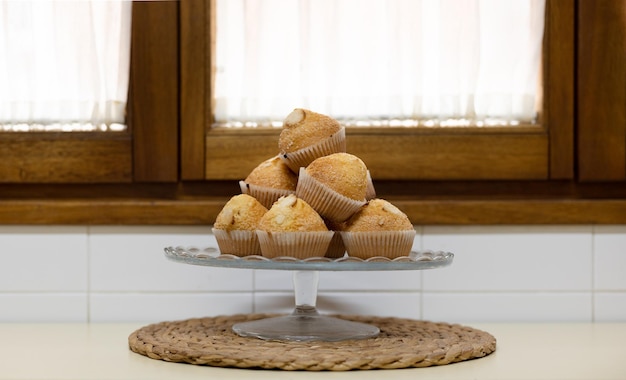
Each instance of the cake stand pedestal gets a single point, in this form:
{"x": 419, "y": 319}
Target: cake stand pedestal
{"x": 305, "y": 323}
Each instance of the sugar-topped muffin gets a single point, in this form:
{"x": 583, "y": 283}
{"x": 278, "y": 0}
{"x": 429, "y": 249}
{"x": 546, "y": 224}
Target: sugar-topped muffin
{"x": 343, "y": 172}
{"x": 307, "y": 135}
{"x": 378, "y": 215}
{"x": 334, "y": 185}
{"x": 291, "y": 214}
{"x": 378, "y": 229}
{"x": 270, "y": 180}
{"x": 293, "y": 228}
{"x": 235, "y": 226}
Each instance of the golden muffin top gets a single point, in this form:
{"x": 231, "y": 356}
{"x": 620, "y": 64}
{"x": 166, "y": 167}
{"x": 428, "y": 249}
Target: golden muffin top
{"x": 378, "y": 215}
{"x": 303, "y": 128}
{"x": 241, "y": 212}
{"x": 273, "y": 173}
{"x": 342, "y": 172}
{"x": 291, "y": 214}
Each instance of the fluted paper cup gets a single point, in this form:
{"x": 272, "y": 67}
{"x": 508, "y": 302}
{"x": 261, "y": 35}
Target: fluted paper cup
{"x": 326, "y": 201}
{"x": 300, "y": 245}
{"x": 303, "y": 157}
{"x": 237, "y": 242}
{"x": 265, "y": 195}
{"x": 390, "y": 244}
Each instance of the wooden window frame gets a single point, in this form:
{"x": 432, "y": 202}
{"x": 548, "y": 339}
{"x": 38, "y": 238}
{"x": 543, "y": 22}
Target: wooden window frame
{"x": 177, "y": 170}
{"x": 469, "y": 153}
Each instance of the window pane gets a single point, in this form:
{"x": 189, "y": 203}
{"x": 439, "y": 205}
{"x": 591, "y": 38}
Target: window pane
{"x": 64, "y": 65}
{"x": 429, "y": 61}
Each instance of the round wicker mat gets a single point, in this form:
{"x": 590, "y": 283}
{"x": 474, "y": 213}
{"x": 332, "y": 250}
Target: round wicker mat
{"x": 402, "y": 343}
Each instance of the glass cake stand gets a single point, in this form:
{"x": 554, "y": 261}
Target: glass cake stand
{"x": 305, "y": 323}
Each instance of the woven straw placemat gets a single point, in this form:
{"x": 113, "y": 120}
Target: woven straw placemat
{"x": 402, "y": 343}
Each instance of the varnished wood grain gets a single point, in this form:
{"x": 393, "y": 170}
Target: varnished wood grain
{"x": 425, "y": 202}
{"x": 68, "y": 157}
{"x": 453, "y": 157}
{"x": 203, "y": 212}
{"x": 195, "y": 86}
{"x": 153, "y": 111}
{"x": 437, "y": 155}
{"x": 558, "y": 85}
{"x": 515, "y": 212}
{"x": 601, "y": 88}
{"x": 232, "y": 156}
{"x": 442, "y": 198}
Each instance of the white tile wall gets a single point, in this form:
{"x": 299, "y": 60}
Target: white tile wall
{"x": 609, "y": 273}
{"x": 515, "y": 307}
{"x": 384, "y": 304}
{"x": 131, "y": 259}
{"x": 50, "y": 259}
{"x": 155, "y": 307}
{"x": 43, "y": 273}
{"x": 610, "y": 258}
{"x": 500, "y": 273}
{"x": 43, "y": 307}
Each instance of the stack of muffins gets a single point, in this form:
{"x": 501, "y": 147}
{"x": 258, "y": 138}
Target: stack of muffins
{"x": 311, "y": 200}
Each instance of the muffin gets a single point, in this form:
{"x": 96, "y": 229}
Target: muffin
{"x": 236, "y": 224}
{"x": 334, "y": 185}
{"x": 378, "y": 229}
{"x": 292, "y": 228}
{"x": 307, "y": 135}
{"x": 269, "y": 181}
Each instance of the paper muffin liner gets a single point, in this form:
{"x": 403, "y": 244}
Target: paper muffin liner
{"x": 390, "y": 244}
{"x": 336, "y": 248}
{"x": 326, "y": 201}
{"x": 300, "y": 245}
{"x": 370, "y": 191}
{"x": 265, "y": 195}
{"x": 237, "y": 242}
{"x": 303, "y": 157}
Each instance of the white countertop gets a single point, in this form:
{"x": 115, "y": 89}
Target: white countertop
{"x": 524, "y": 351}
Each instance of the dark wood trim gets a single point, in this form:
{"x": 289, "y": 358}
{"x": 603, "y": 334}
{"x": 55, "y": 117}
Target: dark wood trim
{"x": 601, "y": 90}
{"x": 195, "y": 88}
{"x": 425, "y": 202}
{"x": 204, "y": 211}
{"x": 515, "y": 212}
{"x": 153, "y": 111}
{"x": 558, "y": 85}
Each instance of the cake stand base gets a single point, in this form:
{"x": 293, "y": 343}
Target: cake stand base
{"x": 305, "y": 324}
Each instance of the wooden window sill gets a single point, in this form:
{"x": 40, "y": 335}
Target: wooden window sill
{"x": 425, "y": 202}
{"x": 203, "y": 211}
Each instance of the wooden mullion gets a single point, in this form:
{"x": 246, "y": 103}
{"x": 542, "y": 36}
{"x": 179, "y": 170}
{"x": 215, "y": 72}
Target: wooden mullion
{"x": 601, "y": 90}
{"x": 195, "y": 70}
{"x": 558, "y": 85}
{"x": 155, "y": 91}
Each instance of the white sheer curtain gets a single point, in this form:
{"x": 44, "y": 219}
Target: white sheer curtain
{"x": 64, "y": 64}
{"x": 439, "y": 61}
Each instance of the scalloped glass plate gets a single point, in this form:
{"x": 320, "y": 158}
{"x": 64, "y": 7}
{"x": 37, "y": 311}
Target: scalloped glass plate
{"x": 211, "y": 257}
